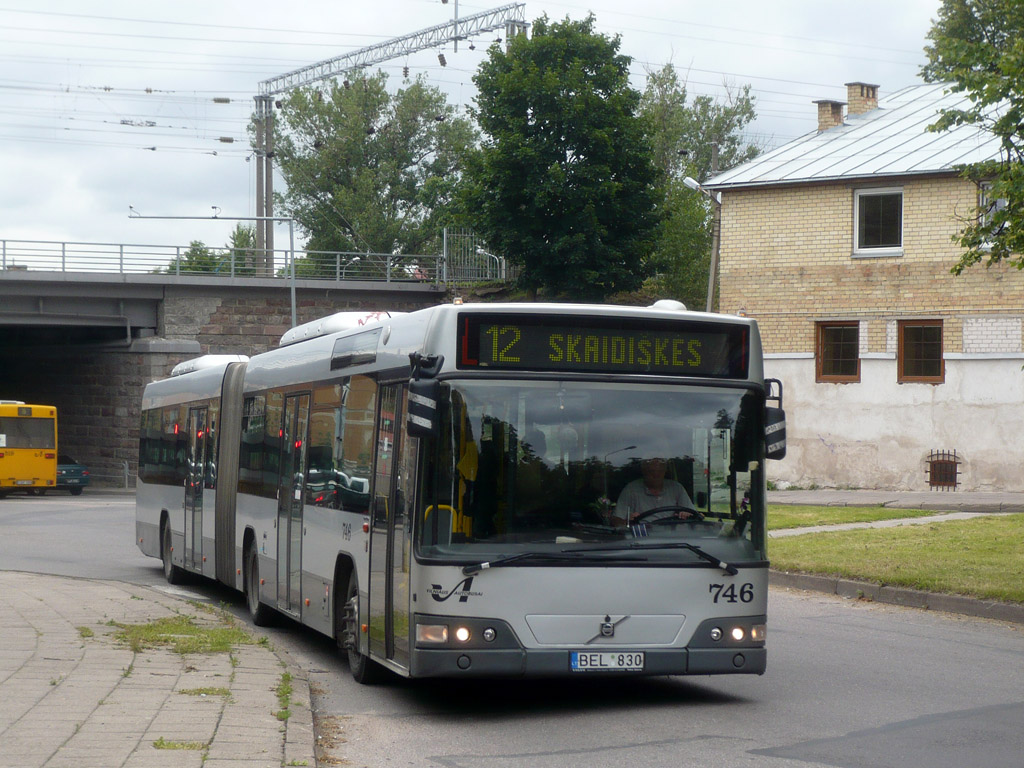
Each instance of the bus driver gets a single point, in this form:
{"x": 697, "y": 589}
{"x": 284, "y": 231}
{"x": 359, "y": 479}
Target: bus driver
{"x": 650, "y": 491}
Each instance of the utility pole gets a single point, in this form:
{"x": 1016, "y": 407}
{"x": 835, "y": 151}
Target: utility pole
{"x": 511, "y": 17}
{"x": 716, "y": 231}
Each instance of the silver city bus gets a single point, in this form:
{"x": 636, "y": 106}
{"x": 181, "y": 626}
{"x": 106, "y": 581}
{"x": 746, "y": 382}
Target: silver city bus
{"x": 481, "y": 490}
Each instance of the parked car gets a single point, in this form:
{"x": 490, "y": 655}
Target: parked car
{"x": 71, "y": 476}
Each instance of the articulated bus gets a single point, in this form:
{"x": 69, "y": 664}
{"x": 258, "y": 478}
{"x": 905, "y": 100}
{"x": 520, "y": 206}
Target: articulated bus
{"x": 28, "y": 447}
{"x": 481, "y": 490}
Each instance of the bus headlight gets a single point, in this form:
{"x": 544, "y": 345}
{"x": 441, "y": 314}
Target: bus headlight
{"x": 432, "y": 633}
{"x": 758, "y": 633}
{"x": 738, "y": 634}
{"x": 462, "y": 634}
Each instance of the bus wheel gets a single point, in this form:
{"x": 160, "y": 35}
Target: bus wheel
{"x": 172, "y": 573}
{"x": 261, "y": 613}
{"x": 364, "y": 670}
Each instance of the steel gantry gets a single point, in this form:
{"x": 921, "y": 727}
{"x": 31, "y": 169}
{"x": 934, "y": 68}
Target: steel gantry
{"x": 511, "y": 17}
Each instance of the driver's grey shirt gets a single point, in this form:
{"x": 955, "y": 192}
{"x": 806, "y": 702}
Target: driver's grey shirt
{"x": 637, "y": 498}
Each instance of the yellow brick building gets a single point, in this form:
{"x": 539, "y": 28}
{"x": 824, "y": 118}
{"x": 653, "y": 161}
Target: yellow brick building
{"x": 897, "y": 374}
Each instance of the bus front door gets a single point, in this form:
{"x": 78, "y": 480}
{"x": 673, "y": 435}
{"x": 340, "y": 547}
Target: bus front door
{"x": 198, "y": 434}
{"x": 390, "y": 541}
{"x": 290, "y": 496}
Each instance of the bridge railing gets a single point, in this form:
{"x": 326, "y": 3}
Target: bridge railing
{"x": 124, "y": 258}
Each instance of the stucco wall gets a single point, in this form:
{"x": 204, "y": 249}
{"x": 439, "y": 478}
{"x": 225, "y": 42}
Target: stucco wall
{"x": 878, "y": 434}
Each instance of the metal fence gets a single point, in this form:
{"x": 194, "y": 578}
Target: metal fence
{"x": 124, "y": 258}
{"x": 464, "y": 261}
{"x": 467, "y": 260}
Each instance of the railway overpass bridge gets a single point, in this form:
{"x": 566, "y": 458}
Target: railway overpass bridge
{"x": 85, "y": 329}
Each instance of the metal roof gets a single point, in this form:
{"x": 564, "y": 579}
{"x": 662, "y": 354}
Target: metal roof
{"x": 891, "y": 140}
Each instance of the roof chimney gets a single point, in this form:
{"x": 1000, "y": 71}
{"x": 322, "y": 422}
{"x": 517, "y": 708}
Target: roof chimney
{"x": 830, "y": 114}
{"x": 862, "y": 97}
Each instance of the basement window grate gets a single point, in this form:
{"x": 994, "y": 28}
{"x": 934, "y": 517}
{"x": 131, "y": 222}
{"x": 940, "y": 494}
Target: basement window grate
{"x": 943, "y": 470}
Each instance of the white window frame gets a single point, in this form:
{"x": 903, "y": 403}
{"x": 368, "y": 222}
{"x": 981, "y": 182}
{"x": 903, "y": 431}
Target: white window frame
{"x": 877, "y": 251}
{"x": 983, "y": 203}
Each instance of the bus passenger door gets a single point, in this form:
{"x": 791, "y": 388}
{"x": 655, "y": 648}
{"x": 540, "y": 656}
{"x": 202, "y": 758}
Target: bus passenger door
{"x": 194, "y": 473}
{"x": 394, "y": 488}
{"x": 290, "y": 495}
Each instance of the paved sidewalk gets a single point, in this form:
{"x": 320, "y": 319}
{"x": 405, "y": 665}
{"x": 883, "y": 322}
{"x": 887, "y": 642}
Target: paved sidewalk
{"x": 72, "y": 696}
{"x": 955, "y": 501}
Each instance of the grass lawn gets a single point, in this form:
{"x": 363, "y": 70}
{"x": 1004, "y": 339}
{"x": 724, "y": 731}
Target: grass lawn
{"x": 982, "y": 557}
{"x": 799, "y": 516}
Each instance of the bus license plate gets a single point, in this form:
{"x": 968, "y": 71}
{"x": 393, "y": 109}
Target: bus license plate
{"x": 23, "y": 482}
{"x": 593, "y": 661}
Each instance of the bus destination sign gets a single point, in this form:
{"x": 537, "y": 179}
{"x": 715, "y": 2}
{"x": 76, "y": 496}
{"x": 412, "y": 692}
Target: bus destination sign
{"x": 603, "y": 345}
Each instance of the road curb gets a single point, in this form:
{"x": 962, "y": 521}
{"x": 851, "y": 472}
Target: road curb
{"x": 911, "y": 598}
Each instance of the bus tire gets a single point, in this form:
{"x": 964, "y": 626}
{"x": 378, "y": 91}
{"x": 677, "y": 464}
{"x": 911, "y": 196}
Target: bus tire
{"x": 364, "y": 669}
{"x": 172, "y": 573}
{"x": 262, "y": 615}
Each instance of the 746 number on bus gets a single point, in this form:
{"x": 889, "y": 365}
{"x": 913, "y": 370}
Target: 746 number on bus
{"x": 727, "y": 593}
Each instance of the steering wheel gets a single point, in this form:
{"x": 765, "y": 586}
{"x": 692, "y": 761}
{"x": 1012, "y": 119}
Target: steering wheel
{"x": 695, "y": 515}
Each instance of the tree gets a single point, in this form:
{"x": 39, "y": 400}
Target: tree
{"x": 978, "y": 46}
{"x": 367, "y": 170}
{"x": 198, "y": 258}
{"x": 236, "y": 258}
{"x": 681, "y": 135}
{"x": 563, "y": 184}
{"x": 242, "y": 249}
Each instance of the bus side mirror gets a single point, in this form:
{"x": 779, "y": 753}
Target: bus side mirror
{"x": 775, "y": 433}
{"x": 422, "y": 420}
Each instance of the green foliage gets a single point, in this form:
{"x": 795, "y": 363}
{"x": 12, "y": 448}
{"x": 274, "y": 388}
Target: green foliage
{"x": 197, "y": 258}
{"x": 242, "y": 249}
{"x": 563, "y": 184}
{"x": 239, "y": 257}
{"x": 682, "y": 135}
{"x": 978, "y": 46}
{"x": 367, "y": 170}
{"x": 801, "y": 516}
{"x": 182, "y": 635}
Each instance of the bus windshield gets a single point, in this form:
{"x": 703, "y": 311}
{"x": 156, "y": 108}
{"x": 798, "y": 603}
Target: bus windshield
{"x": 27, "y": 432}
{"x": 546, "y": 466}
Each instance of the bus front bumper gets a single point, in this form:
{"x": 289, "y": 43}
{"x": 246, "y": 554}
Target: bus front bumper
{"x": 555, "y": 663}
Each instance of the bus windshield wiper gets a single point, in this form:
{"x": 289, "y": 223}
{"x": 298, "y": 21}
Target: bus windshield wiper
{"x": 561, "y": 556}
{"x": 732, "y": 570}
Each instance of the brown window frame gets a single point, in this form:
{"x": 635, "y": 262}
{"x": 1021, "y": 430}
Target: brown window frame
{"x": 901, "y": 376}
{"x": 819, "y": 353}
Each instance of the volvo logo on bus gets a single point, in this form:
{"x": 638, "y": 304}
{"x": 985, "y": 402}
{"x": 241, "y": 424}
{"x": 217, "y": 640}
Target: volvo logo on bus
{"x": 607, "y": 627}
{"x": 462, "y": 589}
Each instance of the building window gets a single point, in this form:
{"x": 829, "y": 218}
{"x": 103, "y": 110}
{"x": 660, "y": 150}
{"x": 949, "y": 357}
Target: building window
{"x": 988, "y": 207}
{"x": 878, "y": 216}
{"x": 837, "y": 352}
{"x": 919, "y": 352}
{"x": 943, "y": 470}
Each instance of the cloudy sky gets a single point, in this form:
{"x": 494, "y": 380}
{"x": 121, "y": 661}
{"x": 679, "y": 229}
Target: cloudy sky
{"x": 107, "y": 105}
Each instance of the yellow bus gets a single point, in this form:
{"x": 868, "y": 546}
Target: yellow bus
{"x": 28, "y": 447}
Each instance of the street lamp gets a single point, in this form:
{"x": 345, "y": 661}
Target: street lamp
{"x": 348, "y": 264}
{"x": 716, "y": 227}
{"x": 133, "y": 214}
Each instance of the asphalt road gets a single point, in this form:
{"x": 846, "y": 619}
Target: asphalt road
{"x": 849, "y": 684}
